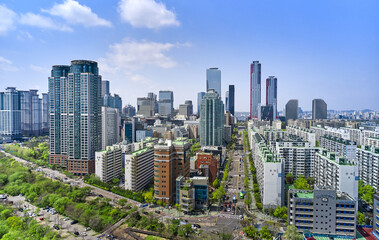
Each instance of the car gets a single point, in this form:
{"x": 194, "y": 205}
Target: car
{"x": 88, "y": 229}
{"x": 157, "y": 211}
{"x": 34, "y": 215}
{"x": 74, "y": 222}
{"x": 21, "y": 209}
{"x": 197, "y": 225}
{"x": 84, "y": 233}
{"x": 41, "y": 218}
{"x": 76, "y": 233}
{"x": 67, "y": 218}
{"x": 228, "y": 210}
{"x": 56, "y": 227}
{"x": 100, "y": 195}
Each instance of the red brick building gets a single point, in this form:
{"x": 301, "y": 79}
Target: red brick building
{"x": 207, "y": 163}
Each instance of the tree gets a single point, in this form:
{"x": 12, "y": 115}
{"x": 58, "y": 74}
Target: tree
{"x": 301, "y": 183}
{"x": 216, "y": 183}
{"x": 122, "y": 202}
{"x": 149, "y": 197}
{"x": 289, "y": 178}
{"x": 292, "y": 233}
{"x": 265, "y": 233}
{"x": 115, "y": 181}
{"x": 361, "y": 218}
{"x": 281, "y": 212}
{"x": 185, "y": 230}
{"x": 252, "y": 232}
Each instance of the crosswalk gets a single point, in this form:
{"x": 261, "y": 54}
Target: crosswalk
{"x": 224, "y": 215}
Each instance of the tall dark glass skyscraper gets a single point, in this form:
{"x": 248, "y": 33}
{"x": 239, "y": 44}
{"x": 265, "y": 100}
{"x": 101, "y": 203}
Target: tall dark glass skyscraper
{"x": 319, "y": 109}
{"x": 255, "y": 89}
{"x": 272, "y": 94}
{"x": 231, "y": 99}
{"x": 166, "y": 103}
{"x": 200, "y": 96}
{"x": 292, "y": 109}
{"x": 211, "y": 120}
{"x": 214, "y": 80}
{"x": 75, "y": 115}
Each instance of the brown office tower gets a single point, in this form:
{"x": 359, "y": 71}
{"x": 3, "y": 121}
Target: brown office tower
{"x": 171, "y": 160}
{"x": 207, "y": 164}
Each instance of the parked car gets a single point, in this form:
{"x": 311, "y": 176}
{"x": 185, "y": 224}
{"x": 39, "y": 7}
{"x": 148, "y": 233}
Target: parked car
{"x": 56, "y": 227}
{"x": 67, "y": 218}
{"x": 197, "y": 225}
{"x": 41, "y": 218}
{"x": 100, "y": 195}
{"x": 76, "y": 233}
{"x": 88, "y": 229}
{"x": 84, "y": 233}
{"x": 157, "y": 211}
{"x": 74, "y": 222}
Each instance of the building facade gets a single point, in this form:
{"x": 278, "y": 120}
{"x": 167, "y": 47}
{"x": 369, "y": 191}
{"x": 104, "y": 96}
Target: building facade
{"x": 336, "y": 172}
{"x": 231, "y": 99}
{"x": 292, "y": 109}
{"x": 322, "y": 211}
{"x": 192, "y": 193}
{"x": 272, "y": 94}
{"x": 214, "y": 80}
{"x": 340, "y": 146}
{"x": 111, "y": 124}
{"x": 319, "y": 109}
{"x": 75, "y": 116}
{"x": 31, "y": 113}
{"x": 171, "y": 160}
{"x": 139, "y": 168}
{"x": 166, "y": 103}
{"x": 108, "y": 163}
{"x": 10, "y": 114}
{"x": 211, "y": 120}
{"x": 255, "y": 89}
{"x": 304, "y": 133}
{"x": 200, "y": 96}
{"x": 375, "y": 217}
{"x": 368, "y": 161}
{"x": 207, "y": 159}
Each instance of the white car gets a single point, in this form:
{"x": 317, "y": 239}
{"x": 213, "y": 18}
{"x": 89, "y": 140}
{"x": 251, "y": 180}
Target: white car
{"x": 67, "y": 218}
{"x": 84, "y": 233}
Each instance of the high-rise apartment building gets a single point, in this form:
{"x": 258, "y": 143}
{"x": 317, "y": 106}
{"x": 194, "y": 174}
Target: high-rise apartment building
{"x": 227, "y": 101}
{"x": 340, "y": 146}
{"x": 211, "y": 120}
{"x": 45, "y": 113}
{"x": 214, "y": 80}
{"x": 272, "y": 94}
{"x": 111, "y": 124}
{"x": 10, "y": 114}
{"x": 139, "y": 168}
{"x": 292, "y": 109}
{"x": 200, "y": 96}
{"x": 305, "y": 134}
{"x": 108, "y": 100}
{"x": 75, "y": 116}
{"x": 105, "y": 88}
{"x": 336, "y": 172}
{"x": 368, "y": 161}
{"x": 166, "y": 103}
{"x": 108, "y": 163}
{"x": 319, "y": 109}
{"x": 31, "y": 113}
{"x": 375, "y": 217}
{"x": 231, "y": 99}
{"x": 171, "y": 160}
{"x": 255, "y": 89}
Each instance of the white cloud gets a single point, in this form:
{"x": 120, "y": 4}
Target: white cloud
{"x": 133, "y": 55}
{"x": 39, "y": 69}
{"x": 40, "y": 21}
{"x": 74, "y": 13}
{"x": 146, "y": 13}
{"x": 7, "y": 65}
{"x": 7, "y": 19}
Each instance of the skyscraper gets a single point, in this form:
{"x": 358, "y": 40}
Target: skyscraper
{"x": 75, "y": 116}
{"x": 186, "y": 109}
{"x": 255, "y": 89}
{"x": 10, "y": 114}
{"x": 166, "y": 103}
{"x": 31, "y": 113}
{"x": 104, "y": 88}
{"x": 147, "y": 106}
{"x": 319, "y": 109}
{"x": 214, "y": 80}
{"x": 45, "y": 113}
{"x": 211, "y": 120}
{"x": 227, "y": 101}
{"x": 111, "y": 124}
{"x": 200, "y": 96}
{"x": 292, "y": 108}
{"x": 129, "y": 111}
{"x": 272, "y": 94}
{"x": 231, "y": 99}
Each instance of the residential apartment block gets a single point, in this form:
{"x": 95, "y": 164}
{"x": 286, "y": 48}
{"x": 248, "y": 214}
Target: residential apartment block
{"x": 305, "y": 133}
{"x": 340, "y": 146}
{"x": 336, "y": 172}
{"x": 108, "y": 163}
{"x": 368, "y": 161}
{"x": 139, "y": 168}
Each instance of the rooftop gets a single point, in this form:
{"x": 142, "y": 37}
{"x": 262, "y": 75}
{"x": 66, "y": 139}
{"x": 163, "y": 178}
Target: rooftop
{"x": 138, "y": 152}
{"x": 304, "y": 194}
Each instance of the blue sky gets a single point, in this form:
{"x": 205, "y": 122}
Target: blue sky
{"x": 316, "y": 49}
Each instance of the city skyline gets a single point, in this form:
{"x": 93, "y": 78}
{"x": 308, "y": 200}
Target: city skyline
{"x": 311, "y": 58}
